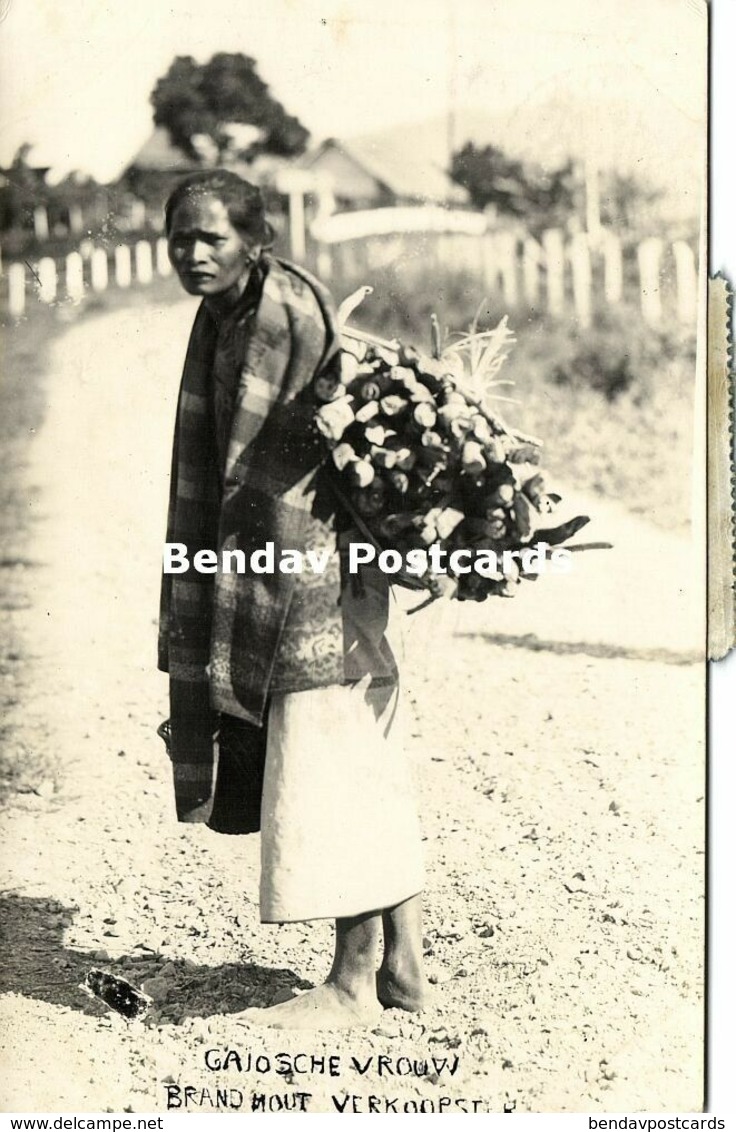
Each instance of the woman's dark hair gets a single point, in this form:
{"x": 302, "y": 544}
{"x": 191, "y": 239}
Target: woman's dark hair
{"x": 242, "y": 200}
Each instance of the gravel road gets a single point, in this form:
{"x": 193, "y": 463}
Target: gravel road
{"x": 557, "y": 747}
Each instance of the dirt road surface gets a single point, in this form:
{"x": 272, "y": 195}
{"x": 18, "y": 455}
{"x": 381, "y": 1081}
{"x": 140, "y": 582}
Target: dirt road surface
{"x": 556, "y": 742}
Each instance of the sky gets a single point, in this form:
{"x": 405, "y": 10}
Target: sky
{"x": 77, "y": 75}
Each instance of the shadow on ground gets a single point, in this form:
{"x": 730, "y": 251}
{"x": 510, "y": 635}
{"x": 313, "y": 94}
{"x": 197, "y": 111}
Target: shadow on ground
{"x": 600, "y": 650}
{"x": 37, "y": 964}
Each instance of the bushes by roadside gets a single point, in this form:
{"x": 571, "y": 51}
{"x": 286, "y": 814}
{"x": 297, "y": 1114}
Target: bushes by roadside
{"x": 613, "y": 402}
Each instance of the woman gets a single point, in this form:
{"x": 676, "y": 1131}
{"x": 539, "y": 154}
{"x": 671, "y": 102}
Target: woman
{"x": 292, "y": 671}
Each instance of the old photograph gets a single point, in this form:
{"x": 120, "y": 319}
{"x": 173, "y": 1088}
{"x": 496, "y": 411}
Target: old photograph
{"x": 353, "y": 582}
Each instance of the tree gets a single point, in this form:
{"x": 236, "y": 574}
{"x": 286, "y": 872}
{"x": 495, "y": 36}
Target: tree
{"x": 629, "y": 203}
{"x": 196, "y": 101}
{"x": 22, "y": 187}
{"x": 541, "y": 198}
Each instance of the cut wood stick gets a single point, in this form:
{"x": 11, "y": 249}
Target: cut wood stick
{"x": 422, "y": 604}
{"x": 497, "y": 422}
{"x": 436, "y": 336}
{"x": 576, "y": 546}
{"x": 369, "y": 339}
{"x": 493, "y": 419}
{"x": 573, "y": 547}
{"x": 348, "y": 305}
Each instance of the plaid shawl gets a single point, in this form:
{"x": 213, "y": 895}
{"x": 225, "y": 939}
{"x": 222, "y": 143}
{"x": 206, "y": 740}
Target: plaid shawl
{"x": 219, "y": 634}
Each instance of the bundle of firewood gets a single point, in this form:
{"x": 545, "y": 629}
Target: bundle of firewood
{"x": 430, "y": 471}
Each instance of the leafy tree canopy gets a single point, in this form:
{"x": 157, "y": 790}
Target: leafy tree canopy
{"x": 541, "y": 198}
{"x": 628, "y": 202}
{"x": 202, "y": 100}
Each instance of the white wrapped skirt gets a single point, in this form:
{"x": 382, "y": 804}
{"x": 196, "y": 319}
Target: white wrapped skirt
{"x": 340, "y": 833}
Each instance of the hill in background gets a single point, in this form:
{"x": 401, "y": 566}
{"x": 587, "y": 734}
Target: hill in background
{"x": 628, "y": 127}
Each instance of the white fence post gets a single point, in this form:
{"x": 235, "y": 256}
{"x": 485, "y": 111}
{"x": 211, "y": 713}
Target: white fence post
{"x": 490, "y": 262}
{"x": 581, "y": 278}
{"x": 143, "y": 262}
{"x": 297, "y": 225}
{"x": 375, "y": 253}
{"x": 76, "y": 219}
{"x": 163, "y": 263}
{"x": 548, "y": 273}
{"x": 507, "y": 268}
{"x": 122, "y": 265}
{"x": 443, "y": 243}
{"x": 324, "y": 261}
{"x": 74, "y": 276}
{"x": 16, "y": 289}
{"x": 348, "y": 261}
{"x": 649, "y": 254}
{"x": 554, "y": 254}
{"x": 99, "y": 270}
{"x": 530, "y": 269}
{"x": 40, "y": 222}
{"x": 137, "y": 215}
{"x": 687, "y": 282}
{"x": 613, "y": 268}
{"x": 47, "y": 280}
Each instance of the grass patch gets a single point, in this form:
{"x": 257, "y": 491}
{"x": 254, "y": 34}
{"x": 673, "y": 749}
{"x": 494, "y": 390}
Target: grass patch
{"x": 613, "y": 403}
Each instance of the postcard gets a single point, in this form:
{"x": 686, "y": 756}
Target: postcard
{"x": 354, "y": 591}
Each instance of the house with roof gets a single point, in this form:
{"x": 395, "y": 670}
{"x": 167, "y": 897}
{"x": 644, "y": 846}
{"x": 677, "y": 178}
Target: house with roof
{"x": 380, "y": 172}
{"x": 159, "y": 163}
{"x": 363, "y": 172}
{"x": 159, "y": 154}
{"x": 152, "y": 172}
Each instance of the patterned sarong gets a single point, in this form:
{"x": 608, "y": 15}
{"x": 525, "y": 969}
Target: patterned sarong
{"x": 221, "y": 635}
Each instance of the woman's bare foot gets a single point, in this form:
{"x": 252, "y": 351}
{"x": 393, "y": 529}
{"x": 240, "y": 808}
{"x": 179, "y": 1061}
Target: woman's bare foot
{"x": 348, "y": 997}
{"x": 327, "y": 1007}
{"x": 403, "y": 990}
{"x": 400, "y": 981}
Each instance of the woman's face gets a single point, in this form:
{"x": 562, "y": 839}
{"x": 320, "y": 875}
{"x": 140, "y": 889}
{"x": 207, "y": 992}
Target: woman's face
{"x": 209, "y": 255}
